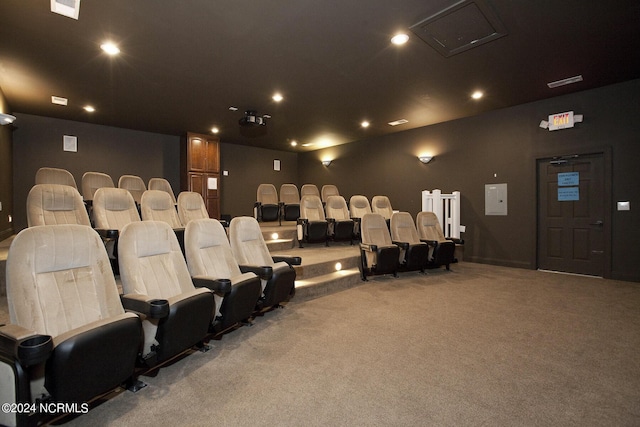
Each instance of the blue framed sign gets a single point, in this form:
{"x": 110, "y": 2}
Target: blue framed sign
{"x": 568, "y": 179}
{"x": 568, "y": 194}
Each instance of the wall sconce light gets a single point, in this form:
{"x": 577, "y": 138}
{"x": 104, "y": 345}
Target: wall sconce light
{"x": 326, "y": 162}
{"x": 425, "y": 159}
{"x": 6, "y": 119}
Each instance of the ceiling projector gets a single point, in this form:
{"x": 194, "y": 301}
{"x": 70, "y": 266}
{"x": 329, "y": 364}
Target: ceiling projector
{"x": 251, "y": 118}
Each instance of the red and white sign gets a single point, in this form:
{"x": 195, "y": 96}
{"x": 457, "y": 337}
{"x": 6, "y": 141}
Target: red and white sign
{"x": 561, "y": 121}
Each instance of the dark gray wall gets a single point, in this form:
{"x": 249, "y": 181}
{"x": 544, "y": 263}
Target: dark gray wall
{"x": 500, "y": 147}
{"x": 249, "y": 167}
{"x": 6, "y": 173}
{"x": 37, "y": 142}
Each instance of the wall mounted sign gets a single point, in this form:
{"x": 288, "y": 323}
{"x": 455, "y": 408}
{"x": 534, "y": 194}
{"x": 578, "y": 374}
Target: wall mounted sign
{"x": 568, "y": 194}
{"x": 561, "y": 121}
{"x": 567, "y": 179}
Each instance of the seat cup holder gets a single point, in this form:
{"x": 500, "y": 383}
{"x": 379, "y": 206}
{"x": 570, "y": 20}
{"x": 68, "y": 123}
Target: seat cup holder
{"x": 158, "y": 308}
{"x": 34, "y": 350}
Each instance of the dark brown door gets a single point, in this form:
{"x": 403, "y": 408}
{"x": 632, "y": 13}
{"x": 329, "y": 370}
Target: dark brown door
{"x": 571, "y": 215}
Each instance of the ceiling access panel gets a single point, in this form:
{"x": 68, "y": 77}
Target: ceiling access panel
{"x": 464, "y": 25}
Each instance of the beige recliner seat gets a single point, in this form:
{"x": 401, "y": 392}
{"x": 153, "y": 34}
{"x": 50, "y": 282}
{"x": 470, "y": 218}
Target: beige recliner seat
{"x": 358, "y": 207}
{"x": 162, "y": 185}
{"x": 156, "y": 205}
{"x": 414, "y": 254}
{"x": 327, "y": 191}
{"x": 91, "y": 181}
{"x": 267, "y": 206}
{"x": 381, "y": 205}
{"x": 341, "y": 226}
{"x": 55, "y": 176}
{"x": 309, "y": 190}
{"x": 312, "y": 225}
{"x": 69, "y": 339}
{"x": 191, "y": 206}
{"x": 152, "y": 267}
{"x": 378, "y": 254}
{"x": 209, "y": 256}
{"x": 113, "y": 208}
{"x": 134, "y": 184}
{"x": 290, "y": 201}
{"x": 430, "y": 232}
{"x": 51, "y": 204}
{"x": 276, "y": 273}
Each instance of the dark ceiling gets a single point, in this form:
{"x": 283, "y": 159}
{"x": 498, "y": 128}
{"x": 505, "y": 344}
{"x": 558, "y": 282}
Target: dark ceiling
{"x": 184, "y": 63}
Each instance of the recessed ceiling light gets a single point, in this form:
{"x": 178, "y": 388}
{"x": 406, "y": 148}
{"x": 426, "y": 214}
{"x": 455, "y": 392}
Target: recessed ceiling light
{"x": 294, "y": 143}
{"x": 89, "y": 108}
{"x": 398, "y": 122}
{"x": 58, "y": 100}
{"x": 477, "y": 95}
{"x": 277, "y": 97}
{"x": 215, "y": 130}
{"x": 400, "y": 39}
{"x": 365, "y": 124}
{"x": 110, "y": 48}
{"x": 563, "y": 82}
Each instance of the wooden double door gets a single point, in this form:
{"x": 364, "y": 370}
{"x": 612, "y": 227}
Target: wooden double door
{"x": 201, "y": 169}
{"x": 572, "y": 220}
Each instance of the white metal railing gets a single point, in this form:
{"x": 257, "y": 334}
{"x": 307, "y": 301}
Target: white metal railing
{"x": 447, "y": 209}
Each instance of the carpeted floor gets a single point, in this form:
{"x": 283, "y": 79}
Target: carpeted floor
{"x": 478, "y": 346}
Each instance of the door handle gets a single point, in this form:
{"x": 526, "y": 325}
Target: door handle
{"x": 598, "y": 222}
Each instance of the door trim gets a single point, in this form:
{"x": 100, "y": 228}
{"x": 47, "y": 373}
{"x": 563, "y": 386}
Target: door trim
{"x": 606, "y": 153}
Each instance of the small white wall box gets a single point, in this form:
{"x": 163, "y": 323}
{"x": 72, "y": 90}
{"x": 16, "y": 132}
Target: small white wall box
{"x": 624, "y": 206}
{"x": 495, "y": 199}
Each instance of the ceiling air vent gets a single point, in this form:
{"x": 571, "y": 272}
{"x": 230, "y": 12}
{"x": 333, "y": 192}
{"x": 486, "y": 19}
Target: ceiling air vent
{"x": 69, "y": 8}
{"x": 462, "y": 26}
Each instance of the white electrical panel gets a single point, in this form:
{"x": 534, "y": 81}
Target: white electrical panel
{"x": 495, "y": 199}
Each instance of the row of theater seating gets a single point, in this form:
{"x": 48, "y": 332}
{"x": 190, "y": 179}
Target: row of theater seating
{"x": 387, "y": 248}
{"x": 331, "y": 219}
{"x": 73, "y": 337}
{"x": 91, "y": 181}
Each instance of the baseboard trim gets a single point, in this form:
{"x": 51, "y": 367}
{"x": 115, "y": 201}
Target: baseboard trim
{"x": 500, "y": 262}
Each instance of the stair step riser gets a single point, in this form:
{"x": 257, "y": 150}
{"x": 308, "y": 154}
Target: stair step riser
{"x": 308, "y": 271}
{"x": 330, "y": 286}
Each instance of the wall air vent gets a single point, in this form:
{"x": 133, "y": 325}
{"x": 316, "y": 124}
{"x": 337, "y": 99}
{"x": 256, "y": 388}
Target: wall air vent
{"x": 462, "y": 26}
{"x": 68, "y": 8}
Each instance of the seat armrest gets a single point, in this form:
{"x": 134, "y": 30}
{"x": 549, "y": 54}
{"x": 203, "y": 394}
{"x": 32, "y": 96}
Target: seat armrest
{"x": 402, "y": 245}
{"x": 331, "y": 220}
{"x": 291, "y": 260}
{"x": 263, "y": 272}
{"x": 456, "y": 240}
{"x": 150, "y": 307}
{"x": 368, "y": 247}
{"x": 430, "y": 242}
{"x": 24, "y": 345}
{"x": 107, "y": 234}
{"x": 302, "y": 221}
{"x": 216, "y": 285}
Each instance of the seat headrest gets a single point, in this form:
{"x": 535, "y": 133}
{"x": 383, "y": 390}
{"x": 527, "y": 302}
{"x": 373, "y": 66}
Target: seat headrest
{"x": 149, "y": 238}
{"x": 55, "y": 197}
{"x": 114, "y": 199}
{"x": 190, "y": 200}
{"x": 157, "y": 200}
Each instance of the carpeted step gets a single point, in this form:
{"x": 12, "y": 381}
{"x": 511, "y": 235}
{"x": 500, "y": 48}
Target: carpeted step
{"x": 326, "y": 284}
